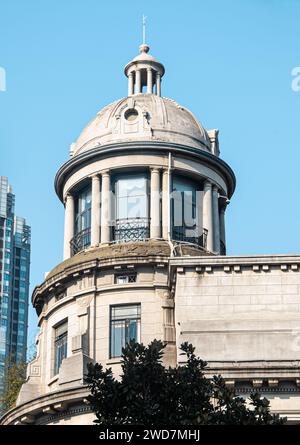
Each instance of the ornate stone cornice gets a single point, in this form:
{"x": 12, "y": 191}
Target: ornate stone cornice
{"x": 111, "y": 150}
{"x": 72, "y": 399}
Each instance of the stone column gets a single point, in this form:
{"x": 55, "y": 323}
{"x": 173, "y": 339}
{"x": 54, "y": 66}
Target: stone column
{"x": 207, "y": 215}
{"x": 158, "y": 84}
{"x": 216, "y": 220}
{"x": 95, "y": 211}
{"x": 105, "y": 208}
{"x": 130, "y": 84}
{"x": 165, "y": 203}
{"x": 149, "y": 80}
{"x": 222, "y": 226}
{"x": 155, "y": 226}
{"x": 138, "y": 82}
{"x": 69, "y": 225}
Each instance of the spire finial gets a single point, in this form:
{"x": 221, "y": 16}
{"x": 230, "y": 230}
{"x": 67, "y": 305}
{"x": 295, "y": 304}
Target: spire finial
{"x": 144, "y": 29}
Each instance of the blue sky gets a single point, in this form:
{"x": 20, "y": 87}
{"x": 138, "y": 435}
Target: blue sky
{"x": 229, "y": 62}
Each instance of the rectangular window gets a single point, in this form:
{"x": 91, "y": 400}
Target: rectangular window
{"x": 60, "y": 345}
{"x": 131, "y": 194}
{"x": 83, "y": 210}
{"x": 125, "y": 278}
{"x": 125, "y": 325}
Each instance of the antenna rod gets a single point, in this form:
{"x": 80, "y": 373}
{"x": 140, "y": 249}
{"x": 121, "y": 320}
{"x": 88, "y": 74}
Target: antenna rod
{"x": 144, "y": 29}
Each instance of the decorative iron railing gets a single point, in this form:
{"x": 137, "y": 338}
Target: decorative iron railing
{"x": 190, "y": 236}
{"x": 80, "y": 241}
{"x": 131, "y": 230}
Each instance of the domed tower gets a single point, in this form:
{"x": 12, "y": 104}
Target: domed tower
{"x": 144, "y": 183}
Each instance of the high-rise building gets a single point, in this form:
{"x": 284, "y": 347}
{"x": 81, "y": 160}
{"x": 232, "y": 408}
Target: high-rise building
{"x": 14, "y": 281}
{"x": 145, "y": 192}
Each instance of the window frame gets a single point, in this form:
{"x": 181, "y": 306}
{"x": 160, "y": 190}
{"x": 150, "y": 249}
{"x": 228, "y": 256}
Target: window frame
{"x": 56, "y": 368}
{"x": 85, "y": 214}
{"x": 138, "y": 318}
{"x": 116, "y": 187}
{"x": 127, "y": 275}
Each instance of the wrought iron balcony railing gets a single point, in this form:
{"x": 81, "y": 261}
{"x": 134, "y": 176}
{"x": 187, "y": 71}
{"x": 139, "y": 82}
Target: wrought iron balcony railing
{"x": 190, "y": 236}
{"x": 131, "y": 230}
{"x": 80, "y": 241}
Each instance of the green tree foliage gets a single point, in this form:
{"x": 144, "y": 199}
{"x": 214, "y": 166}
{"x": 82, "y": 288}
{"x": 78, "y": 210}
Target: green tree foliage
{"x": 15, "y": 374}
{"x": 150, "y": 394}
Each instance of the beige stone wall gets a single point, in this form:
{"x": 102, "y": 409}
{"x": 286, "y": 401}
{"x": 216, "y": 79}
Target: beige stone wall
{"x": 243, "y": 316}
{"x": 240, "y": 311}
{"x": 85, "y": 304}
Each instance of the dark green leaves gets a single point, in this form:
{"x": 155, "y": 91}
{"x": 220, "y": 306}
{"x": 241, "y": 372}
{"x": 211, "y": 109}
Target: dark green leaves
{"x": 150, "y": 394}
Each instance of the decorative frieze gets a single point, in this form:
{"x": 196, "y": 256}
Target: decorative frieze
{"x": 227, "y": 264}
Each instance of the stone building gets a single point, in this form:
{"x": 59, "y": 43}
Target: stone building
{"x": 145, "y": 193}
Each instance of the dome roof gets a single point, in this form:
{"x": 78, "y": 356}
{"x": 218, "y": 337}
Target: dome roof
{"x": 142, "y": 117}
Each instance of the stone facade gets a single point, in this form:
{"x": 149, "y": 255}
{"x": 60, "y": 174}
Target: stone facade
{"x": 243, "y": 316}
{"x": 140, "y": 164}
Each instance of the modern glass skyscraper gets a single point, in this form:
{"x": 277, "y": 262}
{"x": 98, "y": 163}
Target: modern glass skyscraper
{"x": 14, "y": 281}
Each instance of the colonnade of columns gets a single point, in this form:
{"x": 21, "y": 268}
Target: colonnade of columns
{"x": 135, "y": 84}
{"x": 212, "y": 213}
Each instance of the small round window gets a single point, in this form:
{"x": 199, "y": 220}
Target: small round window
{"x": 131, "y": 114}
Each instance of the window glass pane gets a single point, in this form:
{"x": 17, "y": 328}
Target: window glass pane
{"x": 122, "y": 279}
{"x": 124, "y": 326}
{"x": 83, "y": 210}
{"x": 61, "y": 329}
{"x": 60, "y": 346}
{"x": 117, "y": 338}
{"x": 125, "y": 311}
{"x": 184, "y": 213}
{"x": 131, "y": 197}
{"x": 131, "y": 334}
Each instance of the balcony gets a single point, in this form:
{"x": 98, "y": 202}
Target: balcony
{"x": 191, "y": 236}
{"x": 80, "y": 241}
{"x": 131, "y": 230}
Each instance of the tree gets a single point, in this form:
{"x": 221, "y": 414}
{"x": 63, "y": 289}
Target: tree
{"x": 150, "y": 394}
{"x": 14, "y": 377}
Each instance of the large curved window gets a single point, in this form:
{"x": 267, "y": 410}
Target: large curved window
{"x": 186, "y": 197}
{"x": 132, "y": 213}
{"x": 82, "y": 238}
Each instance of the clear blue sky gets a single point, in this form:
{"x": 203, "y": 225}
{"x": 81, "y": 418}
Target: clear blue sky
{"x": 230, "y": 62}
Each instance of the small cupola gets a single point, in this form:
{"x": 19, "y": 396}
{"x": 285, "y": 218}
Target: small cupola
{"x": 144, "y": 73}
